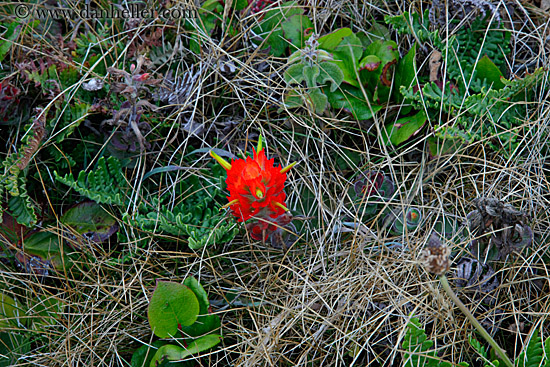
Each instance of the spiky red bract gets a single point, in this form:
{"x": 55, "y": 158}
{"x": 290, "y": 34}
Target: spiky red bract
{"x": 257, "y": 185}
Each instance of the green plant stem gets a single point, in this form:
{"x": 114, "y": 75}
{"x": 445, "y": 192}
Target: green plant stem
{"x": 473, "y": 320}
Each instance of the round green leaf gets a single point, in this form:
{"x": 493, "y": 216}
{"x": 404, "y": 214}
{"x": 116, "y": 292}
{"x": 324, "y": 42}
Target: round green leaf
{"x": 172, "y": 304}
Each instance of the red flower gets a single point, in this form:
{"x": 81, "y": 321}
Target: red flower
{"x": 256, "y": 187}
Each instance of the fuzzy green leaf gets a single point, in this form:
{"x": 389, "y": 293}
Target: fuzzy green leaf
{"x": 294, "y": 74}
{"x": 330, "y": 73}
{"x": 294, "y": 28}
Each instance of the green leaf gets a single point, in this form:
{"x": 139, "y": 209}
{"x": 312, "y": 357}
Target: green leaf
{"x": 483, "y": 353}
{"x": 318, "y": 100}
{"x": 172, "y": 304}
{"x": 379, "y": 31}
{"x": 547, "y": 352}
{"x": 105, "y": 185}
{"x": 416, "y": 346}
{"x": 143, "y": 356}
{"x": 330, "y": 73}
{"x": 47, "y": 247}
{"x": 330, "y": 41}
{"x": 351, "y": 99}
{"x": 486, "y": 69}
{"x": 22, "y": 208}
{"x": 294, "y": 74}
{"x": 205, "y": 323}
{"x": 9, "y": 36}
{"x": 177, "y": 353}
{"x": 294, "y": 28}
{"x": 347, "y": 56}
{"x": 310, "y": 75}
{"x": 90, "y": 219}
{"x": 532, "y": 354}
{"x": 378, "y": 80}
{"x": 404, "y": 128}
{"x": 270, "y": 29}
{"x": 200, "y": 293}
{"x": 370, "y": 62}
{"x": 240, "y": 4}
{"x": 405, "y": 74}
{"x": 10, "y": 312}
{"x": 293, "y": 99}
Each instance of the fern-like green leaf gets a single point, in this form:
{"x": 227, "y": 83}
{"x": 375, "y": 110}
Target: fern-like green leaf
{"x": 547, "y": 352}
{"x": 416, "y": 346}
{"x": 533, "y": 353}
{"x": 483, "y": 353}
{"x": 105, "y": 185}
{"x": 21, "y": 207}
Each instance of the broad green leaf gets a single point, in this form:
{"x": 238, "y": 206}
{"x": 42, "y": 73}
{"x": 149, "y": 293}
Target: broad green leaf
{"x": 293, "y": 99}
{"x": 486, "y": 69}
{"x": 143, "y": 356}
{"x": 294, "y": 28}
{"x": 45, "y": 312}
{"x": 270, "y": 29}
{"x": 193, "y": 284}
{"x": 405, "y": 74}
{"x": 177, "y": 353}
{"x": 347, "y": 56}
{"x": 90, "y": 219}
{"x": 274, "y": 17}
{"x": 276, "y": 42}
{"x": 379, "y": 31}
{"x": 370, "y": 63}
{"x": 331, "y": 40}
{"x": 172, "y": 304}
{"x": 378, "y": 81}
{"x": 9, "y": 36}
{"x": 47, "y": 247}
{"x": 351, "y": 99}
{"x": 404, "y": 128}
{"x": 239, "y": 4}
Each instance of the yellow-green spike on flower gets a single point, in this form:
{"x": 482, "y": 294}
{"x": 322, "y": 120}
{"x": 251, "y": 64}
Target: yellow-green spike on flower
{"x": 260, "y": 145}
{"x": 287, "y": 168}
{"x": 225, "y": 164}
{"x": 281, "y": 206}
{"x": 229, "y": 204}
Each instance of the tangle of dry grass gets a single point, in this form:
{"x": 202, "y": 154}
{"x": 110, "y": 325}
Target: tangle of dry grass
{"x": 339, "y": 296}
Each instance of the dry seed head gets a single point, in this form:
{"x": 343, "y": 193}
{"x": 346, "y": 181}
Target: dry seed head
{"x": 435, "y": 256}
